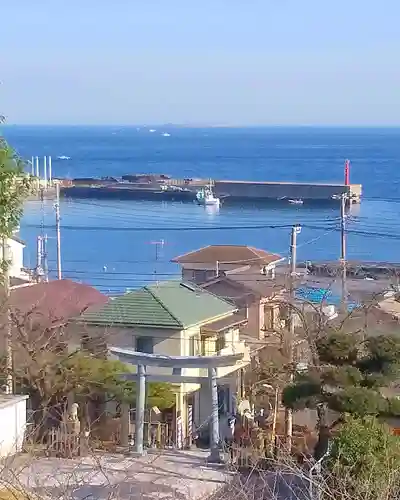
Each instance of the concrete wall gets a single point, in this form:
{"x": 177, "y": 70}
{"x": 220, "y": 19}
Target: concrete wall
{"x": 166, "y": 341}
{"x": 203, "y": 271}
{"x": 16, "y": 255}
{"x": 271, "y": 190}
{"x": 13, "y": 424}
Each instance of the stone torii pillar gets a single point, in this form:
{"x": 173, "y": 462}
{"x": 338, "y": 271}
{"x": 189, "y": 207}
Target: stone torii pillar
{"x": 142, "y": 360}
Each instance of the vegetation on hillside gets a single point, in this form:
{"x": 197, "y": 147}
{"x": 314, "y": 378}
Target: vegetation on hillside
{"x": 15, "y": 186}
{"x": 352, "y": 373}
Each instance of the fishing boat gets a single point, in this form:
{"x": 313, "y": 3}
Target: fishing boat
{"x": 205, "y": 196}
{"x": 296, "y": 202}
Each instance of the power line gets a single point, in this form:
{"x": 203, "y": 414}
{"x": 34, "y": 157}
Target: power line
{"x": 179, "y": 228}
{"x": 358, "y": 232}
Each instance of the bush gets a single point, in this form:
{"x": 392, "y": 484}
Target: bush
{"x": 13, "y": 494}
{"x": 365, "y": 460}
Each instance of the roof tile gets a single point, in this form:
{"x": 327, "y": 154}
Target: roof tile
{"x": 228, "y": 254}
{"x": 54, "y": 303}
{"x": 170, "y": 304}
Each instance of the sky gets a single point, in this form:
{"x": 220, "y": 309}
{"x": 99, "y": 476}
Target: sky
{"x": 214, "y": 62}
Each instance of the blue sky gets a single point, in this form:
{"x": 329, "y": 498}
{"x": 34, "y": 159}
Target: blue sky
{"x": 211, "y": 62}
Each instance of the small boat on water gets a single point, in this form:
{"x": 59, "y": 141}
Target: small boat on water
{"x": 206, "y": 197}
{"x": 296, "y": 202}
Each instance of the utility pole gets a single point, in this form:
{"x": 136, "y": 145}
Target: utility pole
{"x": 58, "y": 230}
{"x": 45, "y": 258}
{"x": 291, "y": 333}
{"x": 343, "y": 250}
{"x": 39, "y": 252}
{"x": 8, "y": 332}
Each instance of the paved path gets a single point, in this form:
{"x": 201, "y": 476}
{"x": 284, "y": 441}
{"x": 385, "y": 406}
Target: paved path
{"x": 273, "y": 485}
{"x": 167, "y": 475}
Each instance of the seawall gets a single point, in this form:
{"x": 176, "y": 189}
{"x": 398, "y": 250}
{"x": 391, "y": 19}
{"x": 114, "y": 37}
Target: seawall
{"x": 248, "y": 190}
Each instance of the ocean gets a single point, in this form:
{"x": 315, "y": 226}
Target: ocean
{"x": 120, "y": 245}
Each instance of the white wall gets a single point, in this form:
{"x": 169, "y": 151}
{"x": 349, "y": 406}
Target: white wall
{"x": 13, "y": 424}
{"x": 16, "y": 256}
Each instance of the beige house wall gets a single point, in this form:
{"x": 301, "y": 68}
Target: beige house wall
{"x": 174, "y": 343}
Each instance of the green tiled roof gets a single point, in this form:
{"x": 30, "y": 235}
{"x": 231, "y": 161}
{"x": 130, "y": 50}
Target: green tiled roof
{"x": 170, "y": 304}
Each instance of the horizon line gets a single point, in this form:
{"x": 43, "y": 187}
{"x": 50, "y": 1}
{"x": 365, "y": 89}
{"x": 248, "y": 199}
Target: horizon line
{"x": 199, "y": 125}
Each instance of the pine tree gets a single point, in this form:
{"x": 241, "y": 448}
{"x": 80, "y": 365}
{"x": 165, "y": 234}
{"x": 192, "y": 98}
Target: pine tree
{"x": 351, "y": 376}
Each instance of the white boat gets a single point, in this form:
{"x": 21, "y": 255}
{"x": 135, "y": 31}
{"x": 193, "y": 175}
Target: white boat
{"x": 166, "y": 134}
{"x": 296, "y": 202}
{"x": 206, "y": 197}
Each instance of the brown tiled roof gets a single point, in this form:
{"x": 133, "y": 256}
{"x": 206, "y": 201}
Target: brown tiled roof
{"x": 231, "y": 290}
{"x": 257, "y": 282}
{"x": 15, "y": 281}
{"x": 371, "y": 321}
{"x": 54, "y": 303}
{"x": 228, "y": 254}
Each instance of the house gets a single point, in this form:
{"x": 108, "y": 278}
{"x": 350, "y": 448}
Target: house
{"x": 47, "y": 307}
{"x": 16, "y": 259}
{"x": 176, "y": 318}
{"x": 261, "y": 301}
{"x": 13, "y": 424}
{"x": 257, "y": 298}
{"x": 208, "y": 262}
{"x": 53, "y": 303}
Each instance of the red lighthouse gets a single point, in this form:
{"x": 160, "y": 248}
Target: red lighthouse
{"x": 347, "y": 172}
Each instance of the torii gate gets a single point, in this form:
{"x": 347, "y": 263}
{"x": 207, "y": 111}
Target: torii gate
{"x": 143, "y": 360}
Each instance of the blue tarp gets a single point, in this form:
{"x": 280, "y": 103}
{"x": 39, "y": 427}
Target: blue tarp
{"x": 319, "y": 295}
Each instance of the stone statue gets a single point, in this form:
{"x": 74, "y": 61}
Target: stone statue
{"x": 73, "y": 423}
{"x": 73, "y": 413}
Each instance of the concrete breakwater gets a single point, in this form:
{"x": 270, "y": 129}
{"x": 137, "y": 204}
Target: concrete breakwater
{"x": 162, "y": 187}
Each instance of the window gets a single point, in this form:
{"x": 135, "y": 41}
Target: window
{"x": 268, "y": 317}
{"x": 192, "y": 346}
{"x": 208, "y": 346}
{"x": 145, "y": 344}
{"x": 220, "y": 342}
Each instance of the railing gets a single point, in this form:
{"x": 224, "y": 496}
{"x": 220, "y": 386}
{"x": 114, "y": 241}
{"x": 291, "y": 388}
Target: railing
{"x": 155, "y": 434}
{"x": 187, "y": 182}
{"x": 63, "y": 444}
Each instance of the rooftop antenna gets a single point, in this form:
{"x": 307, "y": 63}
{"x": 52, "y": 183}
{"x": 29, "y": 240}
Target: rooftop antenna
{"x": 159, "y": 246}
